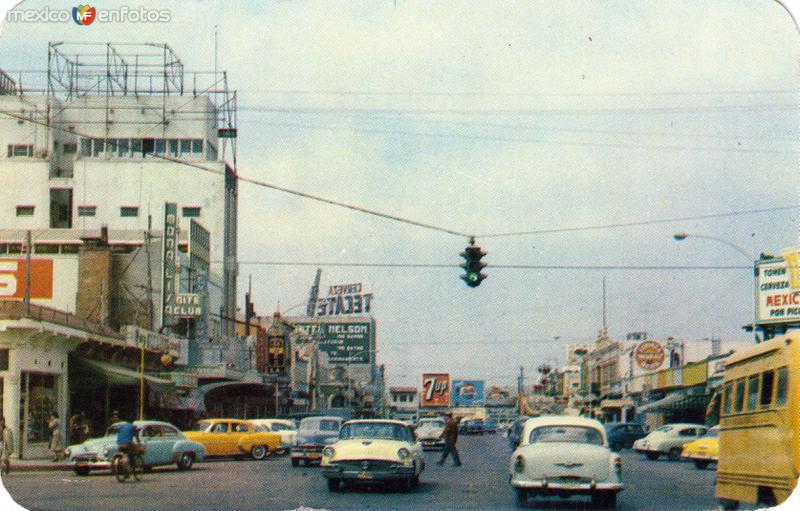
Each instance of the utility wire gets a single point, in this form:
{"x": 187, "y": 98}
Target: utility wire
{"x": 493, "y": 266}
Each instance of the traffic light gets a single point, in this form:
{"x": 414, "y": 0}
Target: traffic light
{"x": 472, "y": 265}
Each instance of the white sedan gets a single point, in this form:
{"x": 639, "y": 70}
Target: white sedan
{"x": 285, "y": 428}
{"x": 669, "y": 440}
{"x": 565, "y": 456}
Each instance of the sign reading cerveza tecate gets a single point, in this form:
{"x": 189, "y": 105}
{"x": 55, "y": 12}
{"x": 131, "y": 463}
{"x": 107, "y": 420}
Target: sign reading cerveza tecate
{"x": 175, "y": 303}
{"x": 344, "y": 299}
{"x": 344, "y": 343}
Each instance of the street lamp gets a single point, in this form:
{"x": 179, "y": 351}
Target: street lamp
{"x": 680, "y": 236}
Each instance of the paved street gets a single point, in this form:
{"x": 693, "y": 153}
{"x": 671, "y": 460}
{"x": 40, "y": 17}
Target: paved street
{"x": 273, "y": 484}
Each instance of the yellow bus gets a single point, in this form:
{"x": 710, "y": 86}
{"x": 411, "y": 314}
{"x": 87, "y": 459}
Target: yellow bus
{"x": 759, "y": 441}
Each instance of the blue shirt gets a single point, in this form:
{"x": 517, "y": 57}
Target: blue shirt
{"x": 126, "y": 433}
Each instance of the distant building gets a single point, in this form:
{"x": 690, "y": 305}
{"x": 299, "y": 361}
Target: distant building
{"x": 403, "y": 403}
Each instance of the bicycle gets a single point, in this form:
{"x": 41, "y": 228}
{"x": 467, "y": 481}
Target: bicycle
{"x": 123, "y": 465}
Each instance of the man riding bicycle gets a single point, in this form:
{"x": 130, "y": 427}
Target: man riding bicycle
{"x": 125, "y": 435}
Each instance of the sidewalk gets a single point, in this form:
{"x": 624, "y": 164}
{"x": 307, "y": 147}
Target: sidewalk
{"x": 38, "y": 464}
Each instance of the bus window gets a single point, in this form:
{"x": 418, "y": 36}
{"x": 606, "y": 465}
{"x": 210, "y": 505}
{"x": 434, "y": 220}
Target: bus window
{"x": 783, "y": 386}
{"x": 752, "y": 392}
{"x": 726, "y": 410}
{"x": 739, "y": 394}
{"x": 767, "y": 384}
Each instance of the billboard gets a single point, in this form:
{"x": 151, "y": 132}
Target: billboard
{"x": 435, "y": 389}
{"x": 344, "y": 299}
{"x": 344, "y": 343}
{"x": 649, "y": 355}
{"x": 468, "y": 393}
{"x": 13, "y": 280}
{"x": 778, "y": 301}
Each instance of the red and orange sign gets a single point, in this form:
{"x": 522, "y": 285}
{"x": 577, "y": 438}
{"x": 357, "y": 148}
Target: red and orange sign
{"x": 435, "y": 389}
{"x": 649, "y": 355}
{"x": 12, "y": 279}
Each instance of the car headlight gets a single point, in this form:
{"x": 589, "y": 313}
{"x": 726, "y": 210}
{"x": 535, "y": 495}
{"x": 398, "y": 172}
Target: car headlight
{"x": 67, "y": 452}
{"x": 519, "y": 464}
{"x": 403, "y": 453}
{"x": 328, "y": 452}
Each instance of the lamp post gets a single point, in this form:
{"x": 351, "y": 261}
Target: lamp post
{"x": 680, "y": 236}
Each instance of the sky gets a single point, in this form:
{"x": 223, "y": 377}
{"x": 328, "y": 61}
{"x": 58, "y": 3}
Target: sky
{"x": 498, "y": 117}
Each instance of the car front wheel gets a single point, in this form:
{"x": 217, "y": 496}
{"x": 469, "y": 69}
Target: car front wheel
{"x": 521, "y": 496}
{"x": 258, "y": 452}
{"x": 185, "y": 462}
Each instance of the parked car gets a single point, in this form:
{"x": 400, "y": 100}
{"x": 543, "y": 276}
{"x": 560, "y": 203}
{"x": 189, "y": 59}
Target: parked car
{"x": 313, "y": 435}
{"x": 489, "y": 426}
{"x": 373, "y": 451}
{"x": 704, "y": 451}
{"x": 164, "y": 445}
{"x": 286, "y": 428}
{"x": 565, "y": 456}
{"x": 234, "y": 437}
{"x": 429, "y": 432}
{"x": 622, "y": 434}
{"x": 515, "y": 432}
{"x": 669, "y": 439}
{"x": 471, "y": 427}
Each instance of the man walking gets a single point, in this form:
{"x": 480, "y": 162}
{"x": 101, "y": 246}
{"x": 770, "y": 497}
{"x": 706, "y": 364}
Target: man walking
{"x": 6, "y": 446}
{"x": 450, "y": 435}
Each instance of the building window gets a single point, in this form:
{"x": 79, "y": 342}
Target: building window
{"x": 86, "y": 147}
{"x": 161, "y": 146}
{"x": 70, "y": 149}
{"x": 123, "y": 146}
{"x": 25, "y": 210}
{"x": 129, "y": 211}
{"x": 20, "y": 150}
{"x": 60, "y": 208}
{"x": 191, "y": 211}
{"x": 87, "y": 210}
{"x": 186, "y": 146}
{"x": 173, "y": 147}
{"x": 148, "y": 145}
{"x": 136, "y": 147}
{"x": 197, "y": 146}
{"x": 45, "y": 248}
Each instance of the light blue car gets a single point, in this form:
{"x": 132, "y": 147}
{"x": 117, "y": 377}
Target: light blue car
{"x": 164, "y": 445}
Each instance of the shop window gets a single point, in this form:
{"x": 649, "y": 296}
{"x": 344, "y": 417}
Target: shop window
{"x": 197, "y": 146}
{"x": 136, "y": 147}
{"x": 70, "y": 149}
{"x": 37, "y": 402}
{"x": 782, "y": 387}
{"x": 86, "y": 147}
{"x": 148, "y": 145}
{"x": 25, "y": 210}
{"x": 173, "y": 147}
{"x": 186, "y": 146}
{"x": 128, "y": 211}
{"x": 98, "y": 146}
{"x": 123, "y": 147}
{"x": 60, "y": 208}
{"x": 70, "y": 248}
{"x": 739, "y": 395}
{"x": 191, "y": 211}
{"x": 3, "y": 361}
{"x": 161, "y": 146}
{"x": 87, "y": 210}
{"x": 752, "y": 392}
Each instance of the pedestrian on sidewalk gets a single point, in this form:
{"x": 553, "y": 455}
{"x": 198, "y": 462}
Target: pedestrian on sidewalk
{"x": 450, "y": 436}
{"x": 56, "y": 446}
{"x": 6, "y": 445}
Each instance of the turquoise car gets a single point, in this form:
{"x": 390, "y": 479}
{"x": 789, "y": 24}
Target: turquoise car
{"x": 164, "y": 445}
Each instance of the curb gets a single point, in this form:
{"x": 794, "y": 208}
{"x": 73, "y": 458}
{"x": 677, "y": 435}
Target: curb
{"x": 39, "y": 467}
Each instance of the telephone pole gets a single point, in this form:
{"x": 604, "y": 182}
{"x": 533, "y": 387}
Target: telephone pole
{"x": 520, "y": 386}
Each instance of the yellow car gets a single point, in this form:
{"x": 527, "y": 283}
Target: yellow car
{"x": 704, "y": 450}
{"x": 234, "y": 437}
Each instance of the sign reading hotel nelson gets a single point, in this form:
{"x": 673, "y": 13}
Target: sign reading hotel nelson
{"x": 344, "y": 343}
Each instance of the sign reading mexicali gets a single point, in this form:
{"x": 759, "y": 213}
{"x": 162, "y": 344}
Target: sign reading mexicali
{"x": 778, "y": 299}
{"x": 344, "y": 343}
{"x": 649, "y": 355}
{"x": 12, "y": 279}
{"x": 467, "y": 393}
{"x": 435, "y": 389}
{"x": 344, "y": 299}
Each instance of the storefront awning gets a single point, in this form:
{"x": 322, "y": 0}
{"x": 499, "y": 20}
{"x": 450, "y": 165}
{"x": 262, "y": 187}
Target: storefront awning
{"x": 117, "y": 375}
{"x": 616, "y": 403}
{"x": 662, "y": 404}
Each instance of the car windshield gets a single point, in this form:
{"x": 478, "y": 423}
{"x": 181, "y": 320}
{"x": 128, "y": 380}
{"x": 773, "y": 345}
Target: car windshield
{"x": 571, "y": 434}
{"x": 281, "y": 427}
{"x": 378, "y": 430}
{"x": 201, "y": 426}
{"x": 664, "y": 429}
{"x": 431, "y": 424}
{"x": 712, "y": 433}
{"x": 319, "y": 425}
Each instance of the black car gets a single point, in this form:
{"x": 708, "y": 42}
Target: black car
{"x": 515, "y": 432}
{"x": 622, "y": 434}
{"x": 471, "y": 427}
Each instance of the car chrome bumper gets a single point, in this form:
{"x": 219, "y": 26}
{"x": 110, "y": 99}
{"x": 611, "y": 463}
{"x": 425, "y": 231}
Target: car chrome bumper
{"x": 582, "y": 487}
{"x": 91, "y": 464}
{"x": 334, "y": 472}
